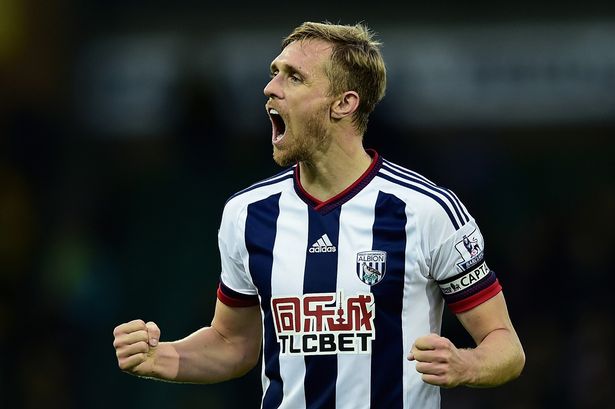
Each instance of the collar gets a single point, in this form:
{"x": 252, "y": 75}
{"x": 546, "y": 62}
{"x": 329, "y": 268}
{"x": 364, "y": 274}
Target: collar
{"x": 346, "y": 194}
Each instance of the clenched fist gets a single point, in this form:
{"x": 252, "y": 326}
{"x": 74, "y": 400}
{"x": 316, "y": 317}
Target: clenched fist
{"x": 439, "y": 361}
{"x": 135, "y": 346}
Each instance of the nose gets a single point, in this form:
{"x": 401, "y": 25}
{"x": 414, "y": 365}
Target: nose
{"x": 272, "y": 89}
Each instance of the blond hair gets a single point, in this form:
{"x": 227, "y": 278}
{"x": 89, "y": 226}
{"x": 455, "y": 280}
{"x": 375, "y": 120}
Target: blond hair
{"x": 356, "y": 63}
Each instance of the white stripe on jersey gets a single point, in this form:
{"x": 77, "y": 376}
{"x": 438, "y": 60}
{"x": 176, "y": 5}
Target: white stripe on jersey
{"x": 354, "y": 370}
{"x": 287, "y": 279}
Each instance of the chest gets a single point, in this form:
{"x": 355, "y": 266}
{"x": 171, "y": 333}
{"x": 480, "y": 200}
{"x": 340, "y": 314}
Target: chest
{"x": 359, "y": 248}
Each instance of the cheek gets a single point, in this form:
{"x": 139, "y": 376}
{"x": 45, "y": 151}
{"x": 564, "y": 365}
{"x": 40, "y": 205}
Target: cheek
{"x": 307, "y": 114}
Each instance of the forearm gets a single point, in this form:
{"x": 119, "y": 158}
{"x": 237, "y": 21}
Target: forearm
{"x": 498, "y": 359}
{"x": 203, "y": 357}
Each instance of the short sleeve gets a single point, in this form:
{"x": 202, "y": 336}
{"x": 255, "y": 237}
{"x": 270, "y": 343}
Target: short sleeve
{"x": 236, "y": 288}
{"x": 459, "y": 267}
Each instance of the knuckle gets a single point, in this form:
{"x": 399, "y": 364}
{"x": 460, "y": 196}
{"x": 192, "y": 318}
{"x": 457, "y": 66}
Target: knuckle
{"x": 119, "y": 341}
{"x": 128, "y": 327}
{"x": 122, "y": 353}
{"x": 142, "y": 337}
{"x": 122, "y": 364}
{"x": 136, "y": 324}
{"x": 118, "y": 330}
{"x": 142, "y": 346}
{"x": 443, "y": 356}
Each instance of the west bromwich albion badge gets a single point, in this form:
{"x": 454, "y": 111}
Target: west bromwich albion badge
{"x": 371, "y": 266}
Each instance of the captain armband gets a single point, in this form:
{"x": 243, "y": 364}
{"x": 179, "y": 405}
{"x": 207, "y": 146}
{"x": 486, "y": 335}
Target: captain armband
{"x": 470, "y": 288}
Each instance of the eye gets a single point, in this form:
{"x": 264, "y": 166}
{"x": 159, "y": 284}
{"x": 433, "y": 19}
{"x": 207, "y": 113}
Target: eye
{"x": 295, "y": 78}
{"x": 273, "y": 74}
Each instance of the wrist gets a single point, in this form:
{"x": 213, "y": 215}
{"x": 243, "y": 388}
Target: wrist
{"x": 166, "y": 362}
{"x": 469, "y": 375}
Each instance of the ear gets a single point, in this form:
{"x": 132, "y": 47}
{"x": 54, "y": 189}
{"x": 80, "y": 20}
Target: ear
{"x": 347, "y": 104}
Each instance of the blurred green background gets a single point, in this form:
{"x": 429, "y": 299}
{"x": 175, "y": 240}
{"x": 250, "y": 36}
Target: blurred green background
{"x": 125, "y": 125}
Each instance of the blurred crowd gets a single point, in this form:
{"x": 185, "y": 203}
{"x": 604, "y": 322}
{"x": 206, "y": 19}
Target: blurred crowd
{"x": 110, "y": 204}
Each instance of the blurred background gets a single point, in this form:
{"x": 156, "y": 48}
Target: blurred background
{"x": 125, "y": 125}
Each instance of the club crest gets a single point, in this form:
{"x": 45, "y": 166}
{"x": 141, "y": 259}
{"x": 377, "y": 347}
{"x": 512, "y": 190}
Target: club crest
{"x": 371, "y": 266}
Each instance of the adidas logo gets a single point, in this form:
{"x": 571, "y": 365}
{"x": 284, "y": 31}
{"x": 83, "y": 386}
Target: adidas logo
{"x": 323, "y": 245}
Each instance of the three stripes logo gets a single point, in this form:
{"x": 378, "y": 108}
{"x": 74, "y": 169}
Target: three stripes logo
{"x": 323, "y": 245}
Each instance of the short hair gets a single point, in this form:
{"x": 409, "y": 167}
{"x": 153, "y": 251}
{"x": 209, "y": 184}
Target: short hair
{"x": 356, "y": 63}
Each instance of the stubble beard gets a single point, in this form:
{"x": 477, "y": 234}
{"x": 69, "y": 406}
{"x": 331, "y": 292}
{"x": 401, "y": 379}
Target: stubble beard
{"x": 304, "y": 145}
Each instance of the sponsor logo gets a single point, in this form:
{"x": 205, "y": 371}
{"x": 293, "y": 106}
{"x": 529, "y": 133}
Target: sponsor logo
{"x": 323, "y": 245}
{"x": 470, "y": 251}
{"x": 324, "y": 324}
{"x": 371, "y": 266}
{"x": 466, "y": 280}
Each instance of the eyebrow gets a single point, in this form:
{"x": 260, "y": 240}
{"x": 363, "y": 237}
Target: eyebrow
{"x": 287, "y": 67}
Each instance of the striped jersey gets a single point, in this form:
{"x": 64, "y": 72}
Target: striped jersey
{"x": 345, "y": 286}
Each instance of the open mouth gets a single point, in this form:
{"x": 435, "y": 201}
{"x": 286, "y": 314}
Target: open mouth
{"x": 278, "y": 125}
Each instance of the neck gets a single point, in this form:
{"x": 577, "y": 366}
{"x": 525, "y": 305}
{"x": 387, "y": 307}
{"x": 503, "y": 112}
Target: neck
{"x": 330, "y": 173}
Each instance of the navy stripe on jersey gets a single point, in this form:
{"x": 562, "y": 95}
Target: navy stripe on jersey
{"x": 260, "y": 237}
{"x": 424, "y": 179}
{"x": 286, "y": 174}
{"x": 426, "y": 193}
{"x": 389, "y": 234}
{"x": 456, "y": 199}
{"x": 429, "y": 185}
{"x": 321, "y": 277}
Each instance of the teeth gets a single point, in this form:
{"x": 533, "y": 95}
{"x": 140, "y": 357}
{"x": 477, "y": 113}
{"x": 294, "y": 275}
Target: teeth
{"x": 273, "y": 112}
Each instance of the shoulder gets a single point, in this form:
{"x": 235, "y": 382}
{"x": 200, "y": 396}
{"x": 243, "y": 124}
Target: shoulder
{"x": 260, "y": 190}
{"x": 427, "y": 199}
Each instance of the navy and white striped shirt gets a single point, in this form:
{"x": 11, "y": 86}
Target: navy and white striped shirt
{"x": 347, "y": 285}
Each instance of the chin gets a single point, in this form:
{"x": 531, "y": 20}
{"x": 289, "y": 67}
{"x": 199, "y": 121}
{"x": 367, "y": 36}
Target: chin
{"x": 281, "y": 159}
{"x": 287, "y": 157}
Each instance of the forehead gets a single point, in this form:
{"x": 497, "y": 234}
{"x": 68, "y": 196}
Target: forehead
{"x": 308, "y": 56}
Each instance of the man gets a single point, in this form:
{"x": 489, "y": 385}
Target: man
{"x": 337, "y": 269}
